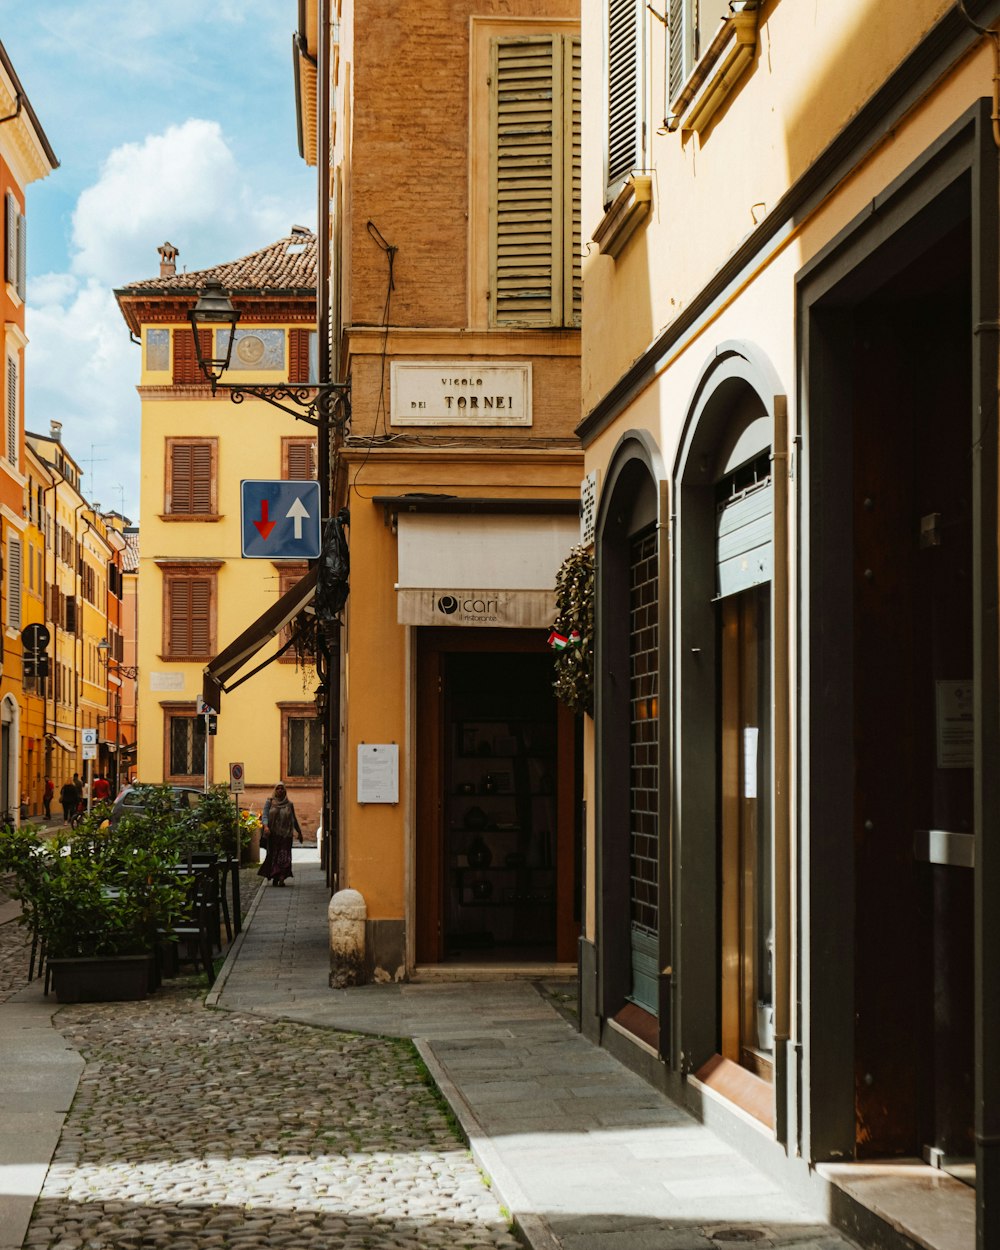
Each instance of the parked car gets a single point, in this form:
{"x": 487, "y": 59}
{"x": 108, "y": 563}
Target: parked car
{"x": 131, "y": 801}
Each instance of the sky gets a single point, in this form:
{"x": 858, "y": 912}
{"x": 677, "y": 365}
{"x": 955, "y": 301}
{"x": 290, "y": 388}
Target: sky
{"x": 171, "y": 122}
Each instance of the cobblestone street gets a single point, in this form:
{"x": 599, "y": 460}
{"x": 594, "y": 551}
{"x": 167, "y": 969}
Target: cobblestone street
{"x": 195, "y": 1128}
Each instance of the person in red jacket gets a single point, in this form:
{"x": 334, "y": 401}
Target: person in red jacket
{"x": 101, "y": 789}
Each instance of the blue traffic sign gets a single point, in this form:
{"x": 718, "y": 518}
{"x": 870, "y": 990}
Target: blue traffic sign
{"x": 280, "y": 519}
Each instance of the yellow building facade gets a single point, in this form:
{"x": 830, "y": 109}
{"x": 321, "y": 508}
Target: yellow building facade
{"x": 789, "y": 420}
{"x": 196, "y": 590}
{"x": 452, "y": 302}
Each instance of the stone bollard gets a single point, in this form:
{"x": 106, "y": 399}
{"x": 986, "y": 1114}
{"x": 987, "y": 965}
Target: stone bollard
{"x": 347, "y": 914}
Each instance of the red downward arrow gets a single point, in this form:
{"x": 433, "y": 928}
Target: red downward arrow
{"x": 264, "y": 526}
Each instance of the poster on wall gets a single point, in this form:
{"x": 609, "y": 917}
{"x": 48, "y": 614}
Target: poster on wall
{"x": 378, "y": 772}
{"x": 954, "y": 723}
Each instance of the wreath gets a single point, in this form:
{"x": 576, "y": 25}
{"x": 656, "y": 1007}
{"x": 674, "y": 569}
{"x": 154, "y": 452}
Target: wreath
{"x": 572, "y": 635}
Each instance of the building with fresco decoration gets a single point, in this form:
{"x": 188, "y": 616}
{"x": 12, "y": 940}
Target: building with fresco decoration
{"x": 196, "y": 591}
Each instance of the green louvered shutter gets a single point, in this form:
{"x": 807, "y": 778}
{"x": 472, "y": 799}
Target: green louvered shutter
{"x": 572, "y": 251}
{"x": 534, "y": 180}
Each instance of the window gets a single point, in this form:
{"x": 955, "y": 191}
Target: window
{"x": 625, "y": 30}
{"x": 298, "y": 459}
{"x": 12, "y": 423}
{"x": 16, "y": 234}
{"x": 534, "y": 191}
{"x": 302, "y": 745}
{"x": 692, "y": 25}
{"x": 184, "y": 745}
{"x": 191, "y": 477}
{"x": 14, "y": 587}
{"x": 189, "y": 612}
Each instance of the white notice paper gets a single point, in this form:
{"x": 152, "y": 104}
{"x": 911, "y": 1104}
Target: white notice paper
{"x": 750, "y": 761}
{"x": 378, "y": 773}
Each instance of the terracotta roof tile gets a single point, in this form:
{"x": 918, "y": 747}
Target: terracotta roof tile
{"x": 288, "y": 264}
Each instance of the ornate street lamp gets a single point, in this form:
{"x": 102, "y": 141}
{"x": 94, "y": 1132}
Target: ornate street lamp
{"x": 321, "y": 404}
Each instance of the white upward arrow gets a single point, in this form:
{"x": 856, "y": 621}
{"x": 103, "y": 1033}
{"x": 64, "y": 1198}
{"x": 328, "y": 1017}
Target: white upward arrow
{"x": 298, "y": 512}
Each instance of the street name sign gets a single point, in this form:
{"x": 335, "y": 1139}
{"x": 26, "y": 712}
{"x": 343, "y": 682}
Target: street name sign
{"x": 280, "y": 519}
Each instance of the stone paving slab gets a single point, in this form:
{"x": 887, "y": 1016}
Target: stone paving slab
{"x": 584, "y": 1154}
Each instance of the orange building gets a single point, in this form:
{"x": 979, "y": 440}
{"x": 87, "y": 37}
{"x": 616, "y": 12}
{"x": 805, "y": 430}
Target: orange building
{"x": 25, "y": 156}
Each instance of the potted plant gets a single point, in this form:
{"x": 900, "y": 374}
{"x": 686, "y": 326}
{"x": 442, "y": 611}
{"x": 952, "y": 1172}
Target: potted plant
{"x": 98, "y": 899}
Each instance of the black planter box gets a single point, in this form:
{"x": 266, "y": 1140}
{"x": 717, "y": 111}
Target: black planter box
{"x": 102, "y": 978}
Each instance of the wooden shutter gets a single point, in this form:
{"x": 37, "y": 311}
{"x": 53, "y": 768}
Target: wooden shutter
{"x": 677, "y": 26}
{"x": 300, "y": 456}
{"x": 623, "y": 92}
{"x": 189, "y": 616}
{"x": 22, "y": 256}
{"x": 535, "y": 181}
{"x": 526, "y": 179}
{"x": 10, "y": 235}
{"x": 186, "y": 370}
{"x": 572, "y": 249}
{"x": 191, "y": 478}
{"x": 298, "y": 356}
{"x": 12, "y": 397}
{"x": 14, "y": 587}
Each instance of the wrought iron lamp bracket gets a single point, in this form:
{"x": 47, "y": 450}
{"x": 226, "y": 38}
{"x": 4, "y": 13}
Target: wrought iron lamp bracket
{"x": 315, "y": 403}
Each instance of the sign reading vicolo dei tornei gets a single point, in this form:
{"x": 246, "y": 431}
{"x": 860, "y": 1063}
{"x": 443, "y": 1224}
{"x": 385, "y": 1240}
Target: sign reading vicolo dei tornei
{"x": 461, "y": 392}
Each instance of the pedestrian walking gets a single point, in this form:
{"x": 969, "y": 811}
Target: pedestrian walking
{"x": 47, "y": 795}
{"x": 69, "y": 797}
{"x": 101, "y": 788}
{"x": 78, "y": 783}
{"x": 280, "y": 824}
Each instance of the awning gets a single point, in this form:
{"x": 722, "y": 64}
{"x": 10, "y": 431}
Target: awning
{"x": 267, "y": 626}
{"x": 481, "y": 569}
{"x": 60, "y": 742}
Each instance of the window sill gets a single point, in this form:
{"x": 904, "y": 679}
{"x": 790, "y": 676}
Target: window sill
{"x": 717, "y": 74}
{"x": 191, "y": 516}
{"x": 630, "y": 209}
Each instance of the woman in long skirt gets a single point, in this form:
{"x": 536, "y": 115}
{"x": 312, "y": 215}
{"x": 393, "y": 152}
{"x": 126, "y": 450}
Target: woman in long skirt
{"x": 281, "y": 824}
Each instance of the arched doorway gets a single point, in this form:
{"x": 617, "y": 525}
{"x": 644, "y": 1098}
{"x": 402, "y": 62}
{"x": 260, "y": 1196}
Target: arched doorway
{"x": 731, "y": 759}
{"x": 633, "y": 877}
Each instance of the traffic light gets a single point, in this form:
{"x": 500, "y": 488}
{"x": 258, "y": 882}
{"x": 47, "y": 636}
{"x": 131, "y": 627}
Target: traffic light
{"x": 36, "y": 664}
{"x": 213, "y": 723}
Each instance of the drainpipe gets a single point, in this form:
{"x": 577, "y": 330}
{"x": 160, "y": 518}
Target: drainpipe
{"x": 783, "y": 848}
{"x": 52, "y": 518}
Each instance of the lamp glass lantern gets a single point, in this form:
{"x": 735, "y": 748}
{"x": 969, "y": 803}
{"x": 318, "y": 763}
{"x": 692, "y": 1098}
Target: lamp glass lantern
{"x": 215, "y": 313}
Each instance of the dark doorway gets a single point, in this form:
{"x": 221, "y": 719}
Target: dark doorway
{"x": 911, "y": 365}
{"x": 892, "y": 659}
{"x": 498, "y": 823}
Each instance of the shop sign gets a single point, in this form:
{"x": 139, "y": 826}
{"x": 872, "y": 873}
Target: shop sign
{"x": 512, "y": 609}
{"x": 460, "y": 392}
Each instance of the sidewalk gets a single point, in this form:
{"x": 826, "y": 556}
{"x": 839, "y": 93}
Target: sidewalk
{"x": 583, "y": 1154}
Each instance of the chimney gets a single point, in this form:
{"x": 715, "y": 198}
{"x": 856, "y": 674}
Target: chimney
{"x": 168, "y": 260}
{"x": 55, "y": 431}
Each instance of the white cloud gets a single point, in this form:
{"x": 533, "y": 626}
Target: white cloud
{"x": 183, "y": 185}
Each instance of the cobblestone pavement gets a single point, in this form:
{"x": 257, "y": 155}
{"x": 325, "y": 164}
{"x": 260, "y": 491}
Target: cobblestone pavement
{"x": 195, "y": 1128}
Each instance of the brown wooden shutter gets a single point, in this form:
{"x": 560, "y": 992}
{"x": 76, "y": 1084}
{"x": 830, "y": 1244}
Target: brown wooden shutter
{"x": 186, "y": 370}
{"x": 201, "y": 603}
{"x": 298, "y": 356}
{"x": 301, "y": 460}
{"x": 191, "y": 478}
{"x": 189, "y": 616}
